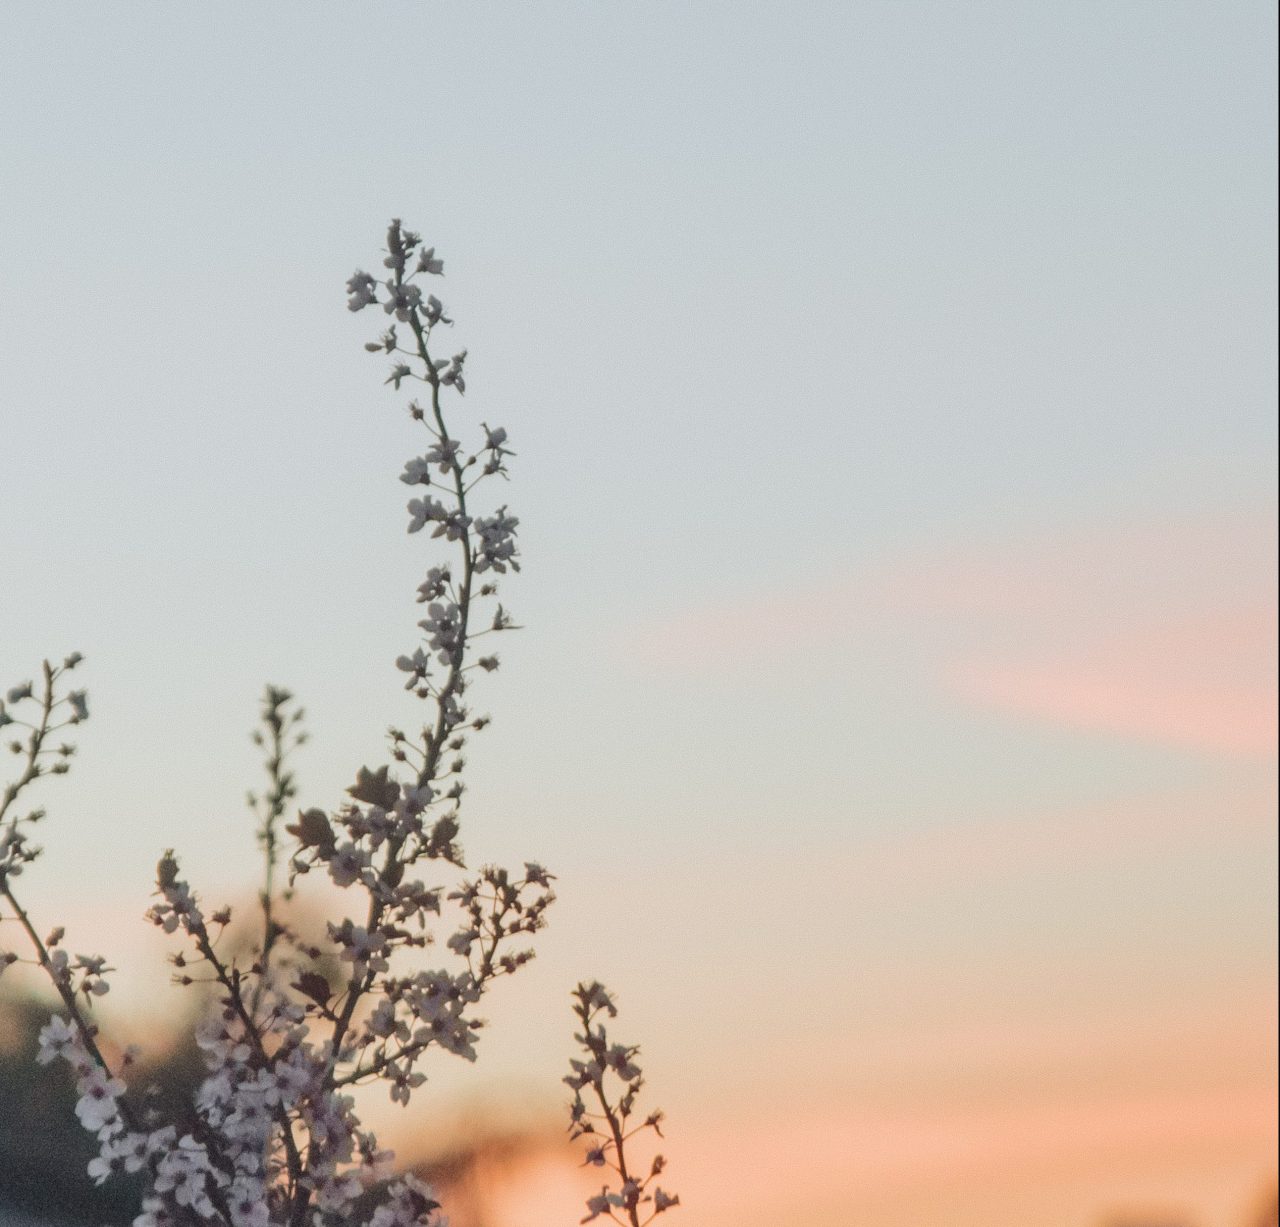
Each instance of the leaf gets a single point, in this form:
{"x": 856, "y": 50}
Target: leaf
{"x": 312, "y": 984}
{"x": 373, "y": 788}
{"x": 313, "y": 830}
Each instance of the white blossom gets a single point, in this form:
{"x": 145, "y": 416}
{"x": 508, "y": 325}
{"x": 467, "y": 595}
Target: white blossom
{"x": 423, "y": 510}
{"x": 361, "y": 290}
{"x": 57, "y": 1039}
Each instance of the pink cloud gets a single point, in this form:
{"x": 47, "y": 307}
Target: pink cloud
{"x": 1204, "y": 683}
{"x": 1159, "y": 631}
{"x": 1097, "y": 574}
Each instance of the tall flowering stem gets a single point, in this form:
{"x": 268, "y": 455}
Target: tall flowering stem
{"x": 279, "y": 736}
{"x": 606, "y": 1085}
{"x": 33, "y": 714}
{"x": 43, "y": 711}
{"x": 272, "y": 1137}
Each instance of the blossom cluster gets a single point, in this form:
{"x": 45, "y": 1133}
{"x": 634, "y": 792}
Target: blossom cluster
{"x": 608, "y": 1118}
{"x": 271, "y": 1138}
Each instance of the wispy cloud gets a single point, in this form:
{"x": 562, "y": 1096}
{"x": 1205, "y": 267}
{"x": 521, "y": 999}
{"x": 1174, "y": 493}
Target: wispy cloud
{"x": 1160, "y": 631}
{"x": 1205, "y": 683}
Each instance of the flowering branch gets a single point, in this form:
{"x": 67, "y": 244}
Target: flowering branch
{"x": 609, "y": 1129}
{"x": 100, "y": 1090}
{"x": 279, "y": 736}
{"x": 272, "y": 1139}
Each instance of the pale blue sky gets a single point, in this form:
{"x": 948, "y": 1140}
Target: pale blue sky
{"x": 775, "y": 300}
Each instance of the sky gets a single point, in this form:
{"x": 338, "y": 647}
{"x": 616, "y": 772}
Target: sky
{"x": 893, "y": 389}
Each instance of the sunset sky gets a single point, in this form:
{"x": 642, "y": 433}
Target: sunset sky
{"x": 893, "y": 389}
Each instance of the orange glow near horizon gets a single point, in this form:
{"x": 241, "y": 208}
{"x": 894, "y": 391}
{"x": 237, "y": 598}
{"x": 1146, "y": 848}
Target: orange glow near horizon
{"x": 1063, "y": 1163}
{"x": 1125, "y": 1069}
{"x": 890, "y": 389}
